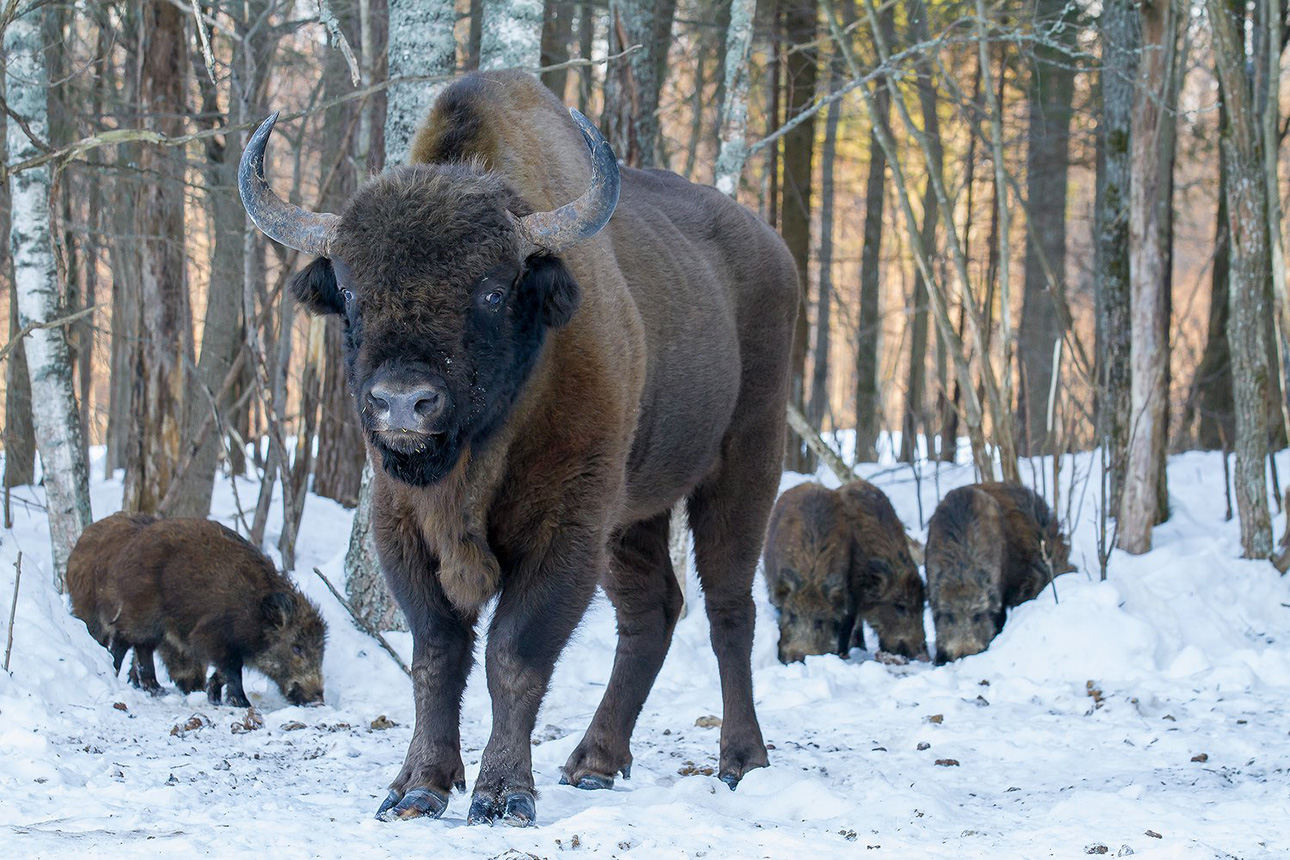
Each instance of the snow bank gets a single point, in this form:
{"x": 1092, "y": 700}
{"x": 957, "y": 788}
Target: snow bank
{"x": 1144, "y": 713}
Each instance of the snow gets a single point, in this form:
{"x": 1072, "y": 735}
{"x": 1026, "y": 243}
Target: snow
{"x": 1080, "y": 727}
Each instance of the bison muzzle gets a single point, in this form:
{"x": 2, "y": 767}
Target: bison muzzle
{"x": 539, "y": 385}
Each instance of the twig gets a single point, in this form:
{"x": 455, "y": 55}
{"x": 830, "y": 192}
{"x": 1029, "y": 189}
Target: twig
{"x": 327, "y": 18}
{"x": 376, "y": 634}
{"x": 32, "y": 326}
{"x": 205, "y": 39}
{"x": 13, "y": 609}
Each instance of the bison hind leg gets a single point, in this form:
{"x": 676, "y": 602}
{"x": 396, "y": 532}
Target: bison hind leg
{"x": 647, "y": 599}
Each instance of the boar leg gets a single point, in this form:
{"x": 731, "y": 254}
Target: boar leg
{"x": 230, "y": 669}
{"x": 443, "y": 643}
{"x": 118, "y": 647}
{"x": 188, "y": 673}
{"x": 143, "y": 671}
{"x": 647, "y": 601}
{"x": 541, "y": 604}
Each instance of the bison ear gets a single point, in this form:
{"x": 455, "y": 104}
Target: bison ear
{"x": 315, "y": 287}
{"x": 549, "y": 280}
{"x": 278, "y": 608}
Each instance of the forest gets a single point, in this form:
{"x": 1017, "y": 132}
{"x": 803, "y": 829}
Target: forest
{"x": 1036, "y": 241}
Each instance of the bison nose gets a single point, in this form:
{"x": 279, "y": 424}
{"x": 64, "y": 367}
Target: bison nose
{"x": 406, "y": 407}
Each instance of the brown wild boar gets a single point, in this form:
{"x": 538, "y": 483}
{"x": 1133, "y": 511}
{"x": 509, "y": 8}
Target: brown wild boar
{"x": 202, "y": 596}
{"x": 989, "y": 547}
{"x": 835, "y": 559}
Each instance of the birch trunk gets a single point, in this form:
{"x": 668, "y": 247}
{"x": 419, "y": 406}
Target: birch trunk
{"x": 511, "y": 34}
{"x": 420, "y": 43}
{"x": 54, "y": 411}
{"x": 1150, "y": 237}
{"x": 632, "y": 85}
{"x": 734, "y": 108}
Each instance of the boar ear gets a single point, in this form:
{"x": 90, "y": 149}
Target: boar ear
{"x": 552, "y": 284}
{"x": 278, "y": 608}
{"x": 315, "y": 287}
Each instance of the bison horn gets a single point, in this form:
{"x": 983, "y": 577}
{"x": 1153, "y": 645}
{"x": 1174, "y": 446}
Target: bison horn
{"x": 585, "y": 217}
{"x": 284, "y": 223}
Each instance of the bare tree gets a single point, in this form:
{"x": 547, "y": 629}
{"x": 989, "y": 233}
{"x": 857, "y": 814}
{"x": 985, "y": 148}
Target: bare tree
{"x": 734, "y": 106}
{"x": 632, "y": 87}
{"x": 1247, "y": 282}
{"x": 1050, "y": 93}
{"x": 1144, "y": 501}
{"x": 1118, "y": 28}
{"x": 802, "y": 65}
{"x": 165, "y": 346}
{"x": 54, "y": 410}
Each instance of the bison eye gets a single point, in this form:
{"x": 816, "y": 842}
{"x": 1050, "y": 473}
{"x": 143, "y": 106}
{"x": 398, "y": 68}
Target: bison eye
{"x": 349, "y": 295}
{"x": 297, "y": 650}
{"x": 493, "y": 299}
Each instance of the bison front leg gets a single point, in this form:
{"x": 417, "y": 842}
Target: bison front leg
{"x": 442, "y": 646}
{"x": 538, "y": 610}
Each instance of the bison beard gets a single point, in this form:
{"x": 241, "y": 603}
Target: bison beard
{"x": 542, "y": 385}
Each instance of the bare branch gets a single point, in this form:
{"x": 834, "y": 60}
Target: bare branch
{"x": 33, "y": 326}
{"x": 328, "y": 19}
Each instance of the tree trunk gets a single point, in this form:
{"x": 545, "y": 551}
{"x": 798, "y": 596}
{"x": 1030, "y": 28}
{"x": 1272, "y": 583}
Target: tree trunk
{"x": 557, "y": 33}
{"x": 915, "y": 418}
{"x": 1051, "y": 90}
{"x": 1121, "y": 42}
{"x": 823, "y": 306}
{"x": 165, "y": 346}
{"x": 1248, "y": 278}
{"x": 1150, "y": 238}
{"x": 222, "y": 331}
{"x": 800, "y": 30}
{"x": 420, "y": 43}
{"x": 19, "y": 437}
{"x": 632, "y": 86}
{"x": 869, "y": 327}
{"x": 1210, "y": 401}
{"x": 54, "y": 411}
{"x": 734, "y": 106}
{"x": 512, "y": 34}
{"x": 340, "y": 438}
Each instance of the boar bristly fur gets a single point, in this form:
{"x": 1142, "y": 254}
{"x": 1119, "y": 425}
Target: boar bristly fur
{"x": 200, "y": 595}
{"x": 989, "y": 547}
{"x": 835, "y": 559}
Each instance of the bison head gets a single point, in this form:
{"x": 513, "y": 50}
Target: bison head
{"x": 447, "y": 283}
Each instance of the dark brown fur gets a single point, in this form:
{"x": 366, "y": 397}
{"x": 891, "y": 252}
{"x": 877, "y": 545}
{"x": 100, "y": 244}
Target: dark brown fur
{"x": 202, "y": 596}
{"x": 835, "y": 559}
{"x": 989, "y": 547}
{"x": 642, "y": 366}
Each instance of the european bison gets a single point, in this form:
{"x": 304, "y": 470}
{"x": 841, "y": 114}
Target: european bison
{"x": 539, "y": 385}
{"x": 837, "y": 558}
{"x": 989, "y": 547}
{"x": 200, "y": 595}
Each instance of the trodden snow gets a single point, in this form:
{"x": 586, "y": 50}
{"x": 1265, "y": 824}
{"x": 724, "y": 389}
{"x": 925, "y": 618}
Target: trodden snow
{"x": 1145, "y": 715}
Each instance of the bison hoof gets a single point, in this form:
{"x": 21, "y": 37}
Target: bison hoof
{"x": 416, "y": 803}
{"x": 591, "y": 782}
{"x": 519, "y": 809}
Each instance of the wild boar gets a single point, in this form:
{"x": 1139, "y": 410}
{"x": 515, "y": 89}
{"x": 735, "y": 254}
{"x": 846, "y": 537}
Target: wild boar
{"x": 202, "y": 596}
{"x": 834, "y": 559}
{"x": 989, "y": 547}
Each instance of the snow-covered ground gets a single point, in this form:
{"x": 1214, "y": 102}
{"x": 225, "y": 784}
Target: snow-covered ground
{"x": 1145, "y": 714}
